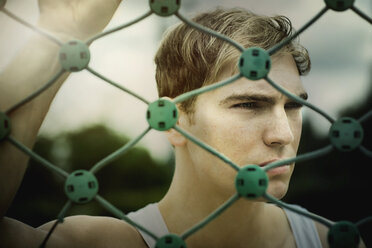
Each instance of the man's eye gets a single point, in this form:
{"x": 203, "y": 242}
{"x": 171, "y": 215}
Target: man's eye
{"x": 293, "y": 105}
{"x": 245, "y": 105}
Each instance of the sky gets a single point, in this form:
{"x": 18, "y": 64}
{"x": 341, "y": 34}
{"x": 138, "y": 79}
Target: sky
{"x": 340, "y": 46}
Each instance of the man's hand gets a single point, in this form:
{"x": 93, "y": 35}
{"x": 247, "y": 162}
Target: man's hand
{"x": 30, "y": 69}
{"x": 80, "y": 19}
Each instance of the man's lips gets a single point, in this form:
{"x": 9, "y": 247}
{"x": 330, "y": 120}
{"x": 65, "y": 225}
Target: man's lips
{"x": 277, "y": 170}
{"x": 267, "y": 162}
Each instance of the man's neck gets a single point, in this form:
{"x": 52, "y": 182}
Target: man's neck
{"x": 188, "y": 203}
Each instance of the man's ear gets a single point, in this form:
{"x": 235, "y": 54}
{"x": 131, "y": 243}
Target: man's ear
{"x": 175, "y": 138}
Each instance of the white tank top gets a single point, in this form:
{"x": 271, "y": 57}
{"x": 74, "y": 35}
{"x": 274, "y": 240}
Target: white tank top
{"x": 303, "y": 228}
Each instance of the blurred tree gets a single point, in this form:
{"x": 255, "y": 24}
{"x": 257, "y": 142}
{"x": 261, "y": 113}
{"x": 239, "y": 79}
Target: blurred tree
{"x": 336, "y": 186}
{"x": 130, "y": 182}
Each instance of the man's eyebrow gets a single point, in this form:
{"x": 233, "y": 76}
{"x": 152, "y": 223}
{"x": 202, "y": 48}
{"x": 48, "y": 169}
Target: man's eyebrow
{"x": 255, "y": 97}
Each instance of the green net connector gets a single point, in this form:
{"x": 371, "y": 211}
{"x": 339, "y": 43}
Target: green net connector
{"x": 162, "y": 114}
{"x": 74, "y": 56}
{"x": 339, "y": 5}
{"x": 343, "y": 234}
{"x": 81, "y": 186}
{"x": 254, "y": 63}
{"x": 251, "y": 181}
{"x": 165, "y": 7}
{"x": 2, "y": 4}
{"x": 170, "y": 241}
{"x": 346, "y": 134}
{"x": 4, "y": 126}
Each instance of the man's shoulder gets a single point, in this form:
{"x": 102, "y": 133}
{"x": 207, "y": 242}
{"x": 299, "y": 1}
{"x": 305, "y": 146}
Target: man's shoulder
{"x": 96, "y": 231}
{"x": 323, "y": 234}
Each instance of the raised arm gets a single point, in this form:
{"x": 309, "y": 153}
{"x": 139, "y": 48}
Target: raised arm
{"x": 29, "y": 70}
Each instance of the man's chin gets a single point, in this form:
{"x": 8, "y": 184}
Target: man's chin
{"x": 277, "y": 189}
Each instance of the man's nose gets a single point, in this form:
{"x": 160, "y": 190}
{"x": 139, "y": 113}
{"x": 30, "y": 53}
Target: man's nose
{"x": 278, "y": 130}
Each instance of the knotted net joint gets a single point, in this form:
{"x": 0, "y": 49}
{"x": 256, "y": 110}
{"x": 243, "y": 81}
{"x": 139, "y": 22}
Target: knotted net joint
{"x": 254, "y": 63}
{"x": 251, "y": 181}
{"x": 170, "y": 241}
{"x": 162, "y": 114}
{"x": 339, "y": 5}
{"x": 4, "y": 126}
{"x": 74, "y": 56}
{"x": 165, "y": 7}
{"x": 343, "y": 234}
{"x": 346, "y": 134}
{"x": 81, "y": 186}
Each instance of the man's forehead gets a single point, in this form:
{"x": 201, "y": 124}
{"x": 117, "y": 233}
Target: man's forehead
{"x": 283, "y": 72}
{"x": 244, "y": 86}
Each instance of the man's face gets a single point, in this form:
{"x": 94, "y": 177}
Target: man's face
{"x": 251, "y": 123}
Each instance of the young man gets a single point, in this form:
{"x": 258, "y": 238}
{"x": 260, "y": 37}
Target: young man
{"x": 248, "y": 121}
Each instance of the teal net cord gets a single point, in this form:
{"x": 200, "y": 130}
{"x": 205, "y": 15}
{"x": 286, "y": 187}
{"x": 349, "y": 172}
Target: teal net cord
{"x": 101, "y": 164}
{"x": 211, "y": 217}
{"x": 204, "y": 89}
{"x": 284, "y": 42}
{"x": 59, "y": 220}
{"x": 362, "y": 14}
{"x": 210, "y": 32}
{"x": 90, "y": 40}
{"x": 300, "y": 100}
{"x": 207, "y": 147}
{"x": 36, "y": 93}
{"x": 315, "y": 217}
{"x": 365, "y": 151}
{"x": 37, "y": 158}
{"x": 119, "y": 214}
{"x": 183, "y": 97}
{"x": 366, "y": 117}
{"x": 299, "y": 158}
{"x": 33, "y": 27}
{"x": 364, "y": 221}
{"x": 117, "y": 85}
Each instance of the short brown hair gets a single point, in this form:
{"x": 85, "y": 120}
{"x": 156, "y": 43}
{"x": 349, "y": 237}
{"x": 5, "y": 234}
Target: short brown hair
{"x": 188, "y": 59}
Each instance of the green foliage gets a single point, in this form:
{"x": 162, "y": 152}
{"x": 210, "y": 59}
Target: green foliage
{"x": 130, "y": 182}
{"x": 337, "y": 185}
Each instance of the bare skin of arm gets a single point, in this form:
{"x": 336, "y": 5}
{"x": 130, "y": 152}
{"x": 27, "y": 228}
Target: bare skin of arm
{"x": 34, "y": 65}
